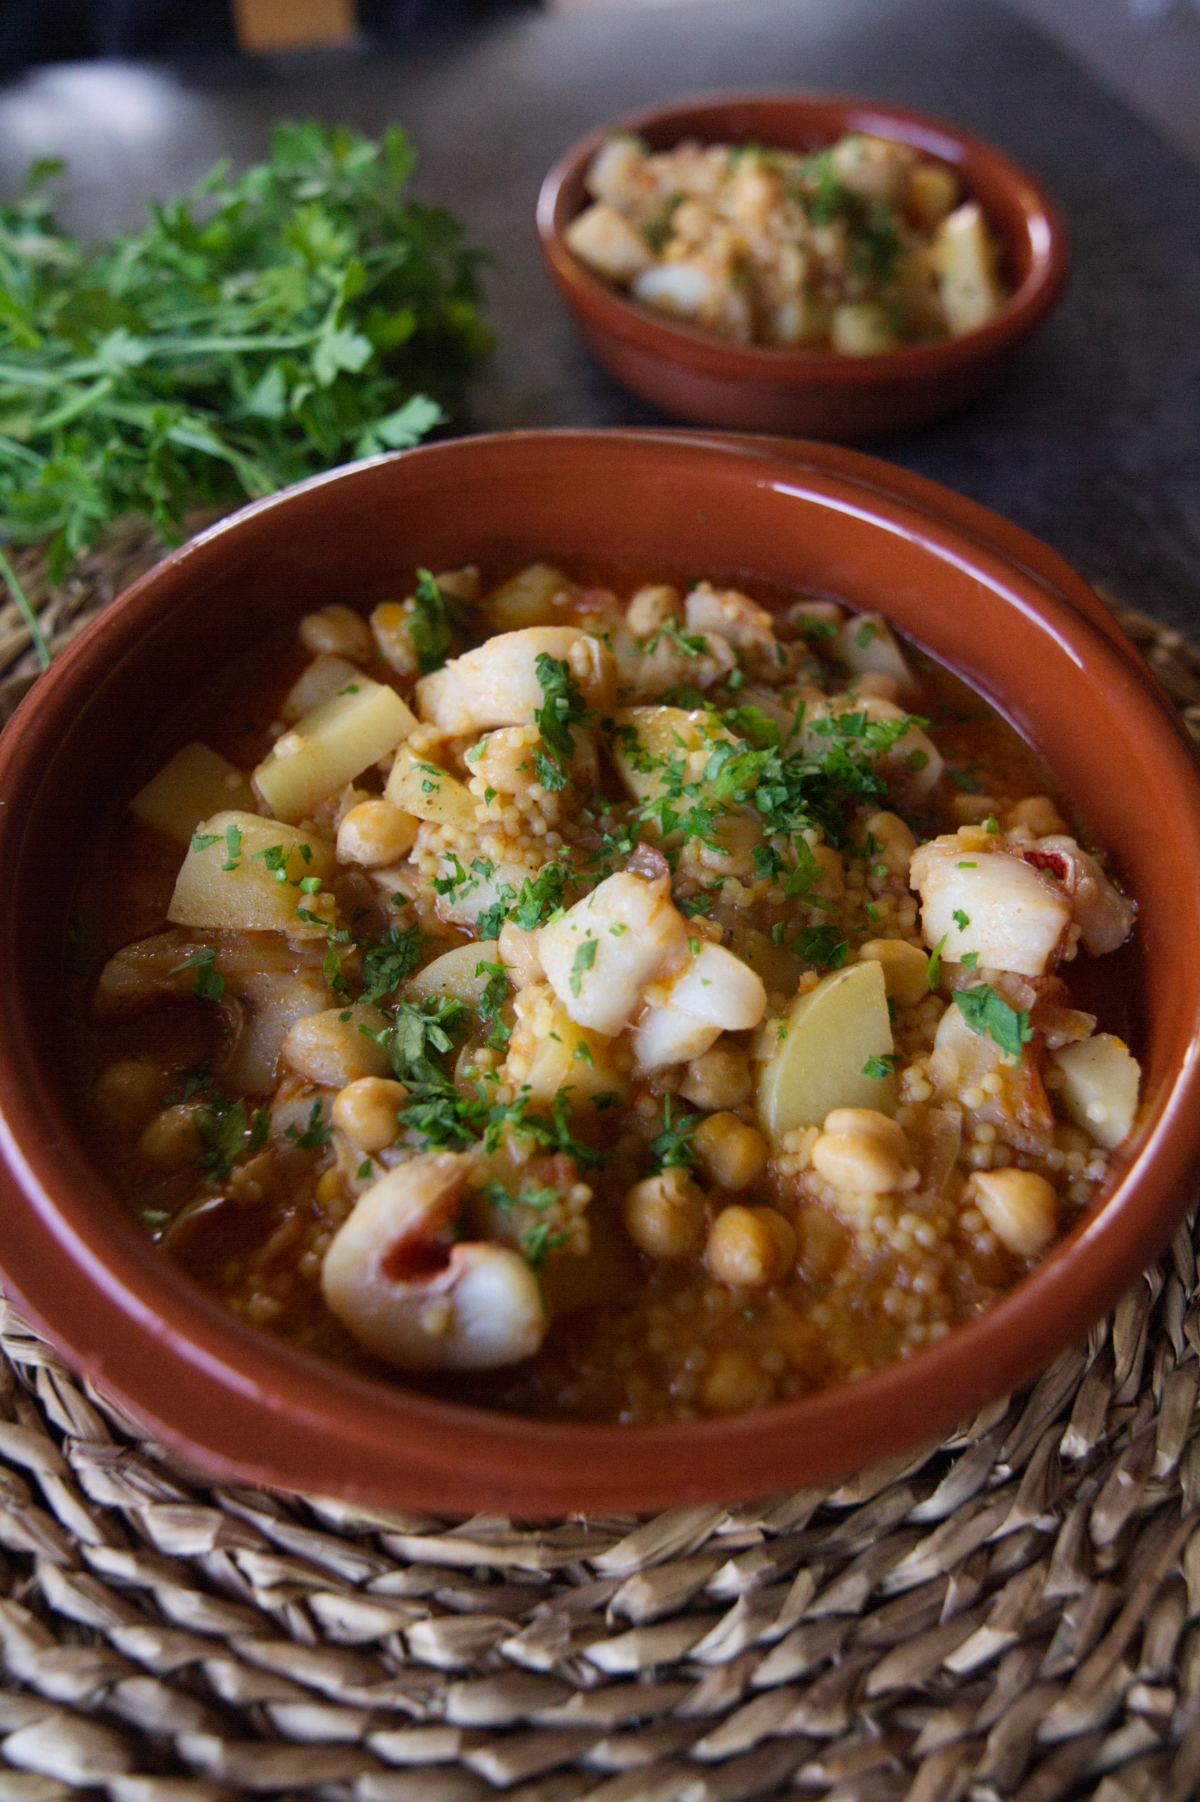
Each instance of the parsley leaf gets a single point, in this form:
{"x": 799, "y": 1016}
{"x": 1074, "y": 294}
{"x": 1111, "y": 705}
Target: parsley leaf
{"x": 823, "y": 945}
{"x": 210, "y": 985}
{"x": 585, "y": 957}
{"x": 988, "y": 1014}
{"x": 387, "y": 961}
{"x": 315, "y": 1134}
{"x": 259, "y": 329}
{"x": 672, "y": 1148}
{"x": 227, "y": 1133}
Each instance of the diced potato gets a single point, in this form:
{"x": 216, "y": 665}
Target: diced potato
{"x": 866, "y": 646}
{"x": 452, "y": 975}
{"x": 650, "y": 742}
{"x": 430, "y": 793}
{"x": 332, "y": 745}
{"x": 250, "y": 896}
{"x": 966, "y": 272}
{"x": 534, "y": 597}
{"x": 607, "y": 243}
{"x": 549, "y": 1052}
{"x": 859, "y": 328}
{"x": 832, "y": 1033}
{"x": 195, "y": 783}
{"x": 1100, "y": 1087}
{"x": 325, "y": 677}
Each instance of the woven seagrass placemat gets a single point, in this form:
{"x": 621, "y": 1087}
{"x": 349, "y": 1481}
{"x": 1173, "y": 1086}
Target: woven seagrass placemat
{"x": 1012, "y": 1614}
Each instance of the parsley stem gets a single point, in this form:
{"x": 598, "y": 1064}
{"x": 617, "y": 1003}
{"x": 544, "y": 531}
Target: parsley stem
{"x": 23, "y": 607}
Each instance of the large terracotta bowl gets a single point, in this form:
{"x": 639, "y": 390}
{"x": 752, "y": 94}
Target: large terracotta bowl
{"x": 695, "y": 375}
{"x": 979, "y": 594}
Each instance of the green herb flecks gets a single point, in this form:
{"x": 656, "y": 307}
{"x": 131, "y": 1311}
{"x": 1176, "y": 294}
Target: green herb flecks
{"x": 563, "y": 707}
{"x": 387, "y": 961}
{"x": 672, "y": 1148}
{"x": 227, "y": 1133}
{"x": 314, "y": 1135}
{"x": 988, "y": 1014}
{"x": 210, "y": 984}
{"x": 821, "y": 945}
{"x": 437, "y": 622}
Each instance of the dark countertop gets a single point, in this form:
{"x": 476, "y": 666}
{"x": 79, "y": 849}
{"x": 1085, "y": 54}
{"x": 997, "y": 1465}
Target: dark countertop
{"x": 1092, "y": 441}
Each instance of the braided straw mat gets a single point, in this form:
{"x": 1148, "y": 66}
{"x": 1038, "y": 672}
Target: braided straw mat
{"x": 1012, "y": 1614}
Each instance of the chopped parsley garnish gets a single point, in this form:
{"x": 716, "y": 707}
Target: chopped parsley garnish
{"x": 672, "y": 1148}
{"x": 961, "y": 920}
{"x": 866, "y": 632}
{"x": 585, "y": 957}
{"x": 314, "y": 1135}
{"x": 988, "y": 1014}
{"x": 879, "y": 1067}
{"x": 419, "y": 1028}
{"x": 227, "y": 1133}
{"x": 387, "y": 961}
{"x": 428, "y": 626}
{"x": 563, "y": 707}
{"x": 970, "y": 785}
{"x": 971, "y": 959}
{"x": 822, "y": 945}
{"x": 495, "y": 994}
{"x": 935, "y": 962}
{"x": 540, "y": 897}
{"x": 196, "y": 1078}
{"x": 210, "y": 985}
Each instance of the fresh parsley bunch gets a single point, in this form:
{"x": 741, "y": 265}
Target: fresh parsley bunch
{"x": 257, "y": 330}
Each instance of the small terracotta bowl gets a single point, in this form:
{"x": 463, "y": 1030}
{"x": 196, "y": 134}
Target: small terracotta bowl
{"x": 697, "y": 376}
{"x": 982, "y": 596}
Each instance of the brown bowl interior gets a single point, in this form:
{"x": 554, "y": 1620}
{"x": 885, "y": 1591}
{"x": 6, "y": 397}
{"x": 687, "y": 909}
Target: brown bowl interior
{"x": 775, "y": 388}
{"x": 980, "y": 595}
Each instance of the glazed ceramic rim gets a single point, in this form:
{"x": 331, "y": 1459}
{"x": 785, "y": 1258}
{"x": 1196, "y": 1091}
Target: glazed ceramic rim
{"x": 610, "y": 310}
{"x": 204, "y": 1382}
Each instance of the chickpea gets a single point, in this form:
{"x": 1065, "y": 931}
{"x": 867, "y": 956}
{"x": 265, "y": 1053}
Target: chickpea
{"x": 329, "y": 1049}
{"x": 905, "y": 968}
{"x": 1019, "y": 1205}
{"x": 664, "y": 1214}
{"x": 365, "y": 1110}
{"x": 861, "y": 1150}
{"x": 171, "y": 1138}
{"x": 970, "y": 810}
{"x": 519, "y": 955}
{"x": 720, "y": 1078}
{"x": 376, "y": 833}
{"x": 651, "y": 608}
{"x": 1038, "y": 813}
{"x": 895, "y": 843}
{"x": 338, "y": 631}
{"x": 880, "y": 684}
{"x": 732, "y": 1154}
{"x": 748, "y": 1247}
{"x": 389, "y": 623}
{"x": 127, "y": 1093}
